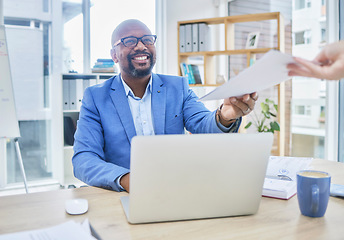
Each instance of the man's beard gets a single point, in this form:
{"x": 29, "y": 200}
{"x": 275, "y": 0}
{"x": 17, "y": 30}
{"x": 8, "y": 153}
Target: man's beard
{"x": 140, "y": 72}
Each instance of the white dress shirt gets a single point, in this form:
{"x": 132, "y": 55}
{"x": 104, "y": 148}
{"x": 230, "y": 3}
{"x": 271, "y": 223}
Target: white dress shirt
{"x": 141, "y": 110}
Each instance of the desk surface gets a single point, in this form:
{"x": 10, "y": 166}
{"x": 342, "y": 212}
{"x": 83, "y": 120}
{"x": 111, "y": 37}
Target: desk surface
{"x": 276, "y": 219}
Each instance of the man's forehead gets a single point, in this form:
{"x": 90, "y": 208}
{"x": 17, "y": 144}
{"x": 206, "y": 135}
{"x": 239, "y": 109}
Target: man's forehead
{"x": 134, "y": 28}
{"x": 133, "y": 31}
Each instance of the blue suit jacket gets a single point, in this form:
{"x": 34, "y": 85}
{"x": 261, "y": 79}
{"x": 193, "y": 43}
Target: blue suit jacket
{"x": 105, "y": 126}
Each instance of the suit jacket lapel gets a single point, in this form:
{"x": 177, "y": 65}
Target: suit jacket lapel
{"x": 120, "y": 101}
{"x": 158, "y": 104}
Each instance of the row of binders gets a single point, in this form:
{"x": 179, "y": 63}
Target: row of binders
{"x": 73, "y": 91}
{"x": 194, "y": 37}
{"x": 191, "y": 72}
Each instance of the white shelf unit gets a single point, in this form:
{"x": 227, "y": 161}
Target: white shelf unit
{"x": 98, "y": 78}
{"x": 209, "y": 74}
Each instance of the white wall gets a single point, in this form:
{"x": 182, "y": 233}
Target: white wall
{"x": 29, "y": 9}
{"x": 180, "y": 10}
{"x": 1, "y": 12}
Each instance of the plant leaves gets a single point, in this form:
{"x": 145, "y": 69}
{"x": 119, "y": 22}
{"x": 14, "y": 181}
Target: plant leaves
{"x": 266, "y": 114}
{"x": 275, "y": 126}
{"x": 268, "y": 101}
{"x": 265, "y": 107}
{"x": 276, "y": 107}
{"x": 274, "y": 115}
{"x": 248, "y": 125}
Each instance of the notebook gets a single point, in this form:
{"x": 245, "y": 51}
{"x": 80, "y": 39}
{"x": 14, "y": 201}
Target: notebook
{"x": 180, "y": 177}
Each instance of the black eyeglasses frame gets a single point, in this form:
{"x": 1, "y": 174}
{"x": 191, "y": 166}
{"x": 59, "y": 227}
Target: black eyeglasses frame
{"x": 137, "y": 38}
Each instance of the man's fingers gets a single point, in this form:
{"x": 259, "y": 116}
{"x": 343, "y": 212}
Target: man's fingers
{"x": 244, "y": 107}
{"x": 247, "y": 110}
{"x": 250, "y": 101}
{"x": 254, "y": 96}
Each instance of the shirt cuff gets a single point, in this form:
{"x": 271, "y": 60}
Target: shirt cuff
{"x": 225, "y": 129}
{"x": 117, "y": 182}
{"x": 233, "y": 128}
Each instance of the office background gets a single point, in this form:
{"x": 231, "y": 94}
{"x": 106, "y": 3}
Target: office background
{"x": 48, "y": 38}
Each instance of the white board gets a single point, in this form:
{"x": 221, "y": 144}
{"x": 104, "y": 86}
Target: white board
{"x": 25, "y": 47}
{"x": 9, "y": 127}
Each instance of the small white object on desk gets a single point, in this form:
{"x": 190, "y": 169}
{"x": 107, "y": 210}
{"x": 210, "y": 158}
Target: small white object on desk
{"x": 280, "y": 180}
{"x": 76, "y": 206}
{"x": 337, "y": 190}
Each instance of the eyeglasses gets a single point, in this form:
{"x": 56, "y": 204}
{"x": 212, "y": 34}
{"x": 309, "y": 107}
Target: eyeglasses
{"x": 131, "y": 41}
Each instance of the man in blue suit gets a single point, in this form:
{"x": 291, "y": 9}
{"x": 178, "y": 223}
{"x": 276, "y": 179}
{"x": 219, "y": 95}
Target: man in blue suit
{"x": 139, "y": 102}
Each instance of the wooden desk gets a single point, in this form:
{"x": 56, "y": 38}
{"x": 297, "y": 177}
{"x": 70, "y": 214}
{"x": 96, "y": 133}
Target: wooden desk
{"x": 276, "y": 219}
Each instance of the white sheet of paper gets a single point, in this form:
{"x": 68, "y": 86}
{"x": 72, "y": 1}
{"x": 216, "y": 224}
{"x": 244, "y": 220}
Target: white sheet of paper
{"x": 268, "y": 71}
{"x": 68, "y": 231}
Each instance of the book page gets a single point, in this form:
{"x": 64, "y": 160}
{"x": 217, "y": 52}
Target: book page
{"x": 280, "y": 180}
{"x": 279, "y": 185}
{"x": 287, "y": 166}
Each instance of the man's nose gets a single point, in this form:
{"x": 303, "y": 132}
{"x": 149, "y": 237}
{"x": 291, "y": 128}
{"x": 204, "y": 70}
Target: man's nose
{"x": 140, "y": 45}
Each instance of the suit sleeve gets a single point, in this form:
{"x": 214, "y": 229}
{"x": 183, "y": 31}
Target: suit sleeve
{"x": 198, "y": 119}
{"x": 89, "y": 162}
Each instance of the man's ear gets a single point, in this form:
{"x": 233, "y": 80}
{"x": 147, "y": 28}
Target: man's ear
{"x": 113, "y": 55}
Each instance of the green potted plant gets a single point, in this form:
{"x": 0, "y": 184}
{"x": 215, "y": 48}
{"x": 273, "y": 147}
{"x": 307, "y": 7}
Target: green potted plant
{"x": 268, "y": 112}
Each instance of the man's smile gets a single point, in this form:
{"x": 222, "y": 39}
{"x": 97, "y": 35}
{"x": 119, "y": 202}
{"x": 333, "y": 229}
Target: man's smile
{"x": 140, "y": 63}
{"x": 141, "y": 58}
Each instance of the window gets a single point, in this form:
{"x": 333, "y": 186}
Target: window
{"x": 101, "y": 28}
{"x": 46, "y": 6}
{"x": 302, "y": 110}
{"x": 341, "y": 92}
{"x": 102, "y": 25}
{"x": 307, "y": 36}
{"x": 299, "y": 39}
{"x": 308, "y": 125}
{"x": 303, "y": 37}
{"x": 29, "y": 45}
{"x": 301, "y": 4}
{"x": 73, "y": 36}
{"x": 323, "y": 35}
{"x": 308, "y": 3}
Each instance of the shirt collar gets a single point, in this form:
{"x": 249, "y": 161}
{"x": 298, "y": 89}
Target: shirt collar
{"x": 128, "y": 90}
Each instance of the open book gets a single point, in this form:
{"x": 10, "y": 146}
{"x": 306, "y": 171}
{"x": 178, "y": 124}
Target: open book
{"x": 280, "y": 180}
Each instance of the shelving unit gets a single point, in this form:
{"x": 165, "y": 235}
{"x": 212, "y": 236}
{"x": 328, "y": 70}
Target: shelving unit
{"x": 229, "y": 50}
{"x": 74, "y": 114}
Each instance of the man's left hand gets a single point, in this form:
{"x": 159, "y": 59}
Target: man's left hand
{"x": 234, "y": 107}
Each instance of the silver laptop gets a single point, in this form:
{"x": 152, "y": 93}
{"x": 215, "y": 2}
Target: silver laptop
{"x": 179, "y": 177}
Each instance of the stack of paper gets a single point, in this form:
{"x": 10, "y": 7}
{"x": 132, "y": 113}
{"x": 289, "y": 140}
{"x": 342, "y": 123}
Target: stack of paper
{"x": 280, "y": 180}
{"x": 67, "y": 231}
{"x": 279, "y": 188}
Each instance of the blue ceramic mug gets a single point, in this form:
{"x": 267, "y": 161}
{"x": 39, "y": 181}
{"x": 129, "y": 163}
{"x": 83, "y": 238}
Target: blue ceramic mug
{"x": 313, "y": 192}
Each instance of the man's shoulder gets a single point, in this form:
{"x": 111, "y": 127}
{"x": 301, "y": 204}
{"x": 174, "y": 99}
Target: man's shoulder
{"x": 167, "y": 77}
{"x": 100, "y": 90}
{"x": 170, "y": 79}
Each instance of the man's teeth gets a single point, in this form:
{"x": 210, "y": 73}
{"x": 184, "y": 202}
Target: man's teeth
{"x": 141, "y": 58}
